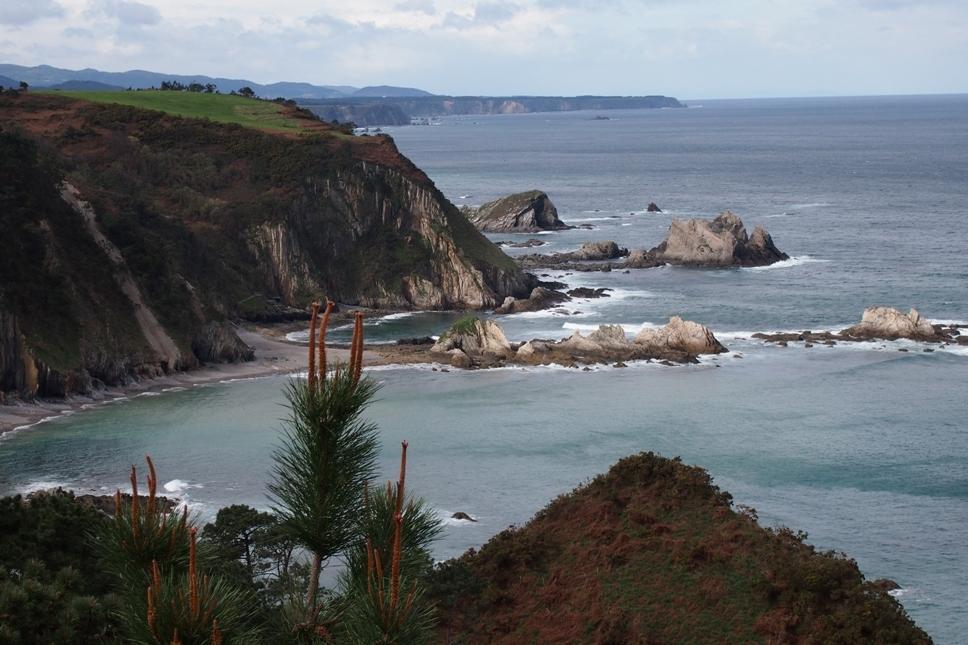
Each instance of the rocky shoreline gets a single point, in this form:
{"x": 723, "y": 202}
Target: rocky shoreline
{"x": 481, "y": 344}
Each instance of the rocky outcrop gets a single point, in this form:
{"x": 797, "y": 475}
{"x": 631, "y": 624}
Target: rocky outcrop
{"x": 679, "y": 341}
{"x": 589, "y": 292}
{"x": 472, "y": 338}
{"x": 527, "y": 212}
{"x": 680, "y": 336}
{"x": 891, "y": 324}
{"x": 877, "y": 323}
{"x": 589, "y": 256}
{"x": 218, "y": 342}
{"x": 653, "y": 208}
{"x": 540, "y": 298}
{"x": 721, "y": 242}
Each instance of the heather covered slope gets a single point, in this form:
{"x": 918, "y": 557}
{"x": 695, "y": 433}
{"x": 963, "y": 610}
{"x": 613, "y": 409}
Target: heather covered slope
{"x": 652, "y": 552}
{"x": 176, "y": 223}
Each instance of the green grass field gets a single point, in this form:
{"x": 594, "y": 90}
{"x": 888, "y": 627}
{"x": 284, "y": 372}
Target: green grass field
{"x": 225, "y": 108}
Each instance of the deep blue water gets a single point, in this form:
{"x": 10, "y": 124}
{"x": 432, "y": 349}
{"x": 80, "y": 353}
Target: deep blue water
{"x": 864, "y": 447}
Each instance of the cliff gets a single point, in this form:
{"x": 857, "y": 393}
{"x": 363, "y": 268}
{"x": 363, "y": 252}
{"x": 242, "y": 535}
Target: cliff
{"x": 653, "y": 552}
{"x": 129, "y": 232}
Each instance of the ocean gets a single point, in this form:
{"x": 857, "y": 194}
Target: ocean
{"x": 862, "y": 446}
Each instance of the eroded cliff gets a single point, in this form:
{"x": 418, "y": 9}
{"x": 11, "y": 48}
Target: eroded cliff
{"x": 128, "y": 233}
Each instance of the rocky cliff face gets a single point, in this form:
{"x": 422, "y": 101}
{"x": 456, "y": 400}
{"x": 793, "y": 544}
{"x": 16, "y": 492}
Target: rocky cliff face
{"x": 132, "y": 233}
{"x": 527, "y": 212}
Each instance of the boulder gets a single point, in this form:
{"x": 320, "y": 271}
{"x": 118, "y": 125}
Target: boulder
{"x": 461, "y": 515}
{"x": 598, "y": 251}
{"x": 653, "y": 208}
{"x": 540, "y": 298}
{"x": 217, "y": 342}
{"x": 891, "y": 324}
{"x": 680, "y": 336}
{"x": 720, "y": 242}
{"x": 642, "y": 259}
{"x": 527, "y": 212}
{"x": 474, "y": 337}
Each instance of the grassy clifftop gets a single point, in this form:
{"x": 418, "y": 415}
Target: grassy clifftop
{"x": 652, "y": 552}
{"x": 223, "y": 108}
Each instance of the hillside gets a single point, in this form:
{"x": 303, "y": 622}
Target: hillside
{"x": 131, "y": 234}
{"x": 48, "y": 76}
{"x": 652, "y": 552}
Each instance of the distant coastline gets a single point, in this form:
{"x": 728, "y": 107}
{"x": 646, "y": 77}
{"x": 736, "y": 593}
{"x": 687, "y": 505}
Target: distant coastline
{"x": 402, "y": 110}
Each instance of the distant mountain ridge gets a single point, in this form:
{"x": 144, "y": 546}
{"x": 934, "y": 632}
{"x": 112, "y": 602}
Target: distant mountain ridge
{"x": 47, "y": 76}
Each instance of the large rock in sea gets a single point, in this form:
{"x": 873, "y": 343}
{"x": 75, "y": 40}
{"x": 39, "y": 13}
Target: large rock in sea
{"x": 474, "y": 337}
{"x": 891, "y": 324}
{"x": 720, "y": 242}
{"x": 680, "y": 336}
{"x": 527, "y": 212}
{"x": 540, "y": 298}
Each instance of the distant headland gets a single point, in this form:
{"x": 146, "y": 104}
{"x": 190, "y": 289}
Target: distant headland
{"x": 376, "y": 105}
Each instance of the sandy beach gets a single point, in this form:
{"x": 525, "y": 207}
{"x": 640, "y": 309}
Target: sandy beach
{"x": 273, "y": 355}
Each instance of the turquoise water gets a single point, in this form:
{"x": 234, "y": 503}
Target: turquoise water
{"x": 864, "y": 447}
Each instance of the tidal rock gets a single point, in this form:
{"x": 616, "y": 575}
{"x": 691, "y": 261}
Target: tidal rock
{"x": 680, "y": 335}
{"x": 540, "y": 298}
{"x": 416, "y": 340}
{"x": 720, "y": 242}
{"x": 522, "y": 245}
{"x": 527, "y": 212}
{"x": 588, "y": 292}
{"x": 891, "y": 324}
{"x": 459, "y": 358}
{"x": 590, "y": 256}
{"x": 641, "y": 259}
{"x": 885, "y": 584}
{"x": 474, "y": 337}
{"x": 461, "y": 515}
{"x": 653, "y": 208}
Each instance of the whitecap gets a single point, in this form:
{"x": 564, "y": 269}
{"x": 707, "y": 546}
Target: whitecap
{"x": 785, "y": 264}
{"x": 37, "y": 486}
{"x": 177, "y": 486}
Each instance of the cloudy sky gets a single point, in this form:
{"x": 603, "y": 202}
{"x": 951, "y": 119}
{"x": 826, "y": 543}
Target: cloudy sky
{"x": 685, "y": 48}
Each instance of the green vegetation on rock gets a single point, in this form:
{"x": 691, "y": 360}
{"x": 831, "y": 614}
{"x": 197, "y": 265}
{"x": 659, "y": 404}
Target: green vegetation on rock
{"x": 224, "y": 108}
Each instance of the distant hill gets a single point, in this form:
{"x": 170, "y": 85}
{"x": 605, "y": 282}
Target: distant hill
{"x": 47, "y": 76}
{"x": 6, "y": 81}
{"x": 85, "y": 86}
{"x": 389, "y": 90}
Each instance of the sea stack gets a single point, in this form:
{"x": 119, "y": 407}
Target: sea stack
{"x": 528, "y": 212}
{"x": 721, "y": 242}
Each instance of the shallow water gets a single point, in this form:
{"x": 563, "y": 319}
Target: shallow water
{"x": 862, "y": 446}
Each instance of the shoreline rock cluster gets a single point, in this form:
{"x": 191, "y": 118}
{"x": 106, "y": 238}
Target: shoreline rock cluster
{"x": 472, "y": 342}
{"x": 528, "y": 212}
{"x": 877, "y": 323}
{"x": 718, "y": 243}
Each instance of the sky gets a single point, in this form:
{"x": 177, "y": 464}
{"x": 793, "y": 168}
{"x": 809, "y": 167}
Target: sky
{"x": 682, "y": 48}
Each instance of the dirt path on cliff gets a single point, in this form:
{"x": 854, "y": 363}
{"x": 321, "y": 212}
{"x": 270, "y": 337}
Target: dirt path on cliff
{"x": 151, "y": 329}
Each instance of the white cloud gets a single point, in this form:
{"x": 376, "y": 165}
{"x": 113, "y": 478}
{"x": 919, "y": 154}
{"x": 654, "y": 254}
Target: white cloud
{"x": 689, "y": 48}
{"x": 24, "y": 12}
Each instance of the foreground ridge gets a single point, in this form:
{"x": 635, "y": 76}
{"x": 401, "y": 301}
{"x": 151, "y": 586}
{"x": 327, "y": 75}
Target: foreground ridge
{"x": 652, "y": 551}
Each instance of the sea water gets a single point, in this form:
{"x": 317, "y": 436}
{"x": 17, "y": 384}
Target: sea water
{"x": 863, "y": 446}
